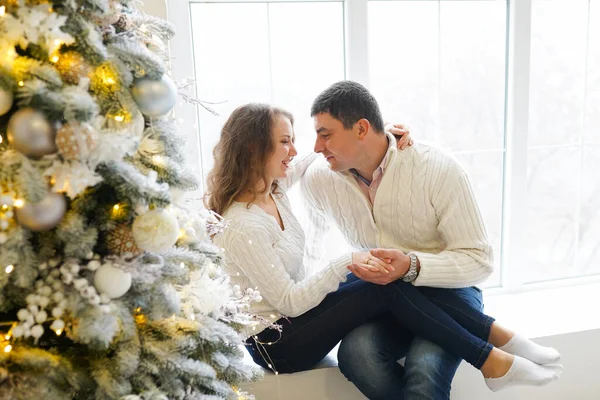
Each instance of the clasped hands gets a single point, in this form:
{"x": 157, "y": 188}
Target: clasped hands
{"x": 380, "y": 266}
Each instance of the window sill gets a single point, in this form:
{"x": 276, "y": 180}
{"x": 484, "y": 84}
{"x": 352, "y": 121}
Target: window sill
{"x": 547, "y": 312}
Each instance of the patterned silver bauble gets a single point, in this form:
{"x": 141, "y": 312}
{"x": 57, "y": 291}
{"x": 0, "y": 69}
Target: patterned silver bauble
{"x": 44, "y": 215}
{"x": 155, "y": 98}
{"x": 6, "y": 100}
{"x": 30, "y": 133}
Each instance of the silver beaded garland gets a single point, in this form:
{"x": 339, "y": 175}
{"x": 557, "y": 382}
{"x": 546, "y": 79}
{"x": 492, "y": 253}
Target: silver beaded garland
{"x": 155, "y": 98}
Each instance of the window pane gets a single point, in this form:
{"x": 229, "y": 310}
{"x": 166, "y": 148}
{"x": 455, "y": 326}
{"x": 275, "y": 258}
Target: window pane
{"x": 589, "y": 221}
{"x": 592, "y": 100}
{"x": 485, "y": 170}
{"x": 557, "y": 71}
{"x": 266, "y": 52}
{"x": 564, "y": 103}
{"x": 403, "y": 61}
{"x": 440, "y": 67}
{"x": 231, "y": 53}
{"x": 553, "y": 175}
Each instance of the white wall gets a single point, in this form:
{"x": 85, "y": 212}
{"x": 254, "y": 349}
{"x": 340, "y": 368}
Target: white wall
{"x": 155, "y": 7}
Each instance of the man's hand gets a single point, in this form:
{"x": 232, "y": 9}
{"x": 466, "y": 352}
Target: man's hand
{"x": 399, "y": 261}
{"x": 402, "y": 134}
{"x": 370, "y": 263}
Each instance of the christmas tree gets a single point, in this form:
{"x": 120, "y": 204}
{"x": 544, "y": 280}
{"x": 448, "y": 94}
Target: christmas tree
{"x": 109, "y": 287}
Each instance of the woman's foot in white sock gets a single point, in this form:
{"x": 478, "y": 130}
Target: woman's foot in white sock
{"x": 525, "y": 372}
{"x": 521, "y": 346}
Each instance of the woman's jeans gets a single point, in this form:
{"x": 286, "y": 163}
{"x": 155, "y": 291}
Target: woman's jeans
{"x": 308, "y": 338}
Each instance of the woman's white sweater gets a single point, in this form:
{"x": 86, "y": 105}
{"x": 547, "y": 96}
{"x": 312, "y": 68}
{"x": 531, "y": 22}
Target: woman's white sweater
{"x": 260, "y": 255}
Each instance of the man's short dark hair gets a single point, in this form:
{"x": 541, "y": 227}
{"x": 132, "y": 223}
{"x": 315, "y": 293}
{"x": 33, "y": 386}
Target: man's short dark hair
{"x": 348, "y": 101}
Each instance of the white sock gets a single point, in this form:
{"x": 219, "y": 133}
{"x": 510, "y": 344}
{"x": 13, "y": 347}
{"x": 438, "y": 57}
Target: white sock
{"x": 525, "y": 372}
{"x": 519, "y": 345}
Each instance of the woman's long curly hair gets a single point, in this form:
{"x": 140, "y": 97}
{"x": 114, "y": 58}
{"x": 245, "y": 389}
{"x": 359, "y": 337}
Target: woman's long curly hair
{"x": 241, "y": 155}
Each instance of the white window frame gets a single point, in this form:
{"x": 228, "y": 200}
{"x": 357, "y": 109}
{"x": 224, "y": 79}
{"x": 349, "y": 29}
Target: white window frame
{"x": 513, "y": 257}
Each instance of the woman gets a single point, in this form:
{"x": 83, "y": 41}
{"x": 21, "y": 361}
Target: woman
{"x": 264, "y": 246}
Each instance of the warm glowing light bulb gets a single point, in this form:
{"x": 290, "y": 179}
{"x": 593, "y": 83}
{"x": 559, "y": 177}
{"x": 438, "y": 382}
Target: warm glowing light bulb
{"x": 110, "y": 81}
{"x": 21, "y": 83}
{"x": 116, "y": 207}
{"x": 9, "y": 269}
{"x": 119, "y": 118}
{"x": 19, "y": 203}
{"x": 54, "y": 59}
{"x": 7, "y": 348}
{"x": 2, "y": 11}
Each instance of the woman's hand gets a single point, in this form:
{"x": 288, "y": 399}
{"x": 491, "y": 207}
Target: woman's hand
{"x": 402, "y": 134}
{"x": 366, "y": 260}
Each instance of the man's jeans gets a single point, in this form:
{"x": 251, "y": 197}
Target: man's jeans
{"x": 368, "y": 355}
{"x": 308, "y": 338}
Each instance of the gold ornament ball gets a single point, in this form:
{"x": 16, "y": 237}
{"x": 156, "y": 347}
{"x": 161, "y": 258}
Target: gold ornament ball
{"x": 6, "y": 101}
{"x": 120, "y": 241}
{"x": 44, "y": 215}
{"x": 75, "y": 140}
{"x": 30, "y": 133}
{"x": 72, "y": 66}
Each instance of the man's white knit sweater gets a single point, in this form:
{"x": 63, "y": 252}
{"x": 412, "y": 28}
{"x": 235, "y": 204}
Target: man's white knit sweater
{"x": 424, "y": 204}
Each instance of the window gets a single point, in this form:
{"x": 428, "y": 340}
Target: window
{"x": 563, "y": 152}
{"x": 264, "y": 52}
{"x": 511, "y": 88}
{"x": 440, "y": 67}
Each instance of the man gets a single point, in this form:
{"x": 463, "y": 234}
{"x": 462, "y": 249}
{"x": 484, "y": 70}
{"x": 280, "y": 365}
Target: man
{"x": 418, "y": 201}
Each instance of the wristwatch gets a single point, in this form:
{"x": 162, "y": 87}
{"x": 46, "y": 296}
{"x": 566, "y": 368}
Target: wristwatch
{"x": 412, "y": 272}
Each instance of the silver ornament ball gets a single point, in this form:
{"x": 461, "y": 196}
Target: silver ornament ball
{"x": 30, "y": 133}
{"x": 44, "y": 215}
{"x": 6, "y": 101}
{"x": 155, "y": 98}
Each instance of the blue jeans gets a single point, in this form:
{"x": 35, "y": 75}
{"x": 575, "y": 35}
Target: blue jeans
{"x": 308, "y": 338}
{"x": 368, "y": 355}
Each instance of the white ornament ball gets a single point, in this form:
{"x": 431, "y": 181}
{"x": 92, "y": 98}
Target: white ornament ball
{"x": 37, "y": 331}
{"x": 112, "y": 281}
{"x": 57, "y": 324}
{"x": 22, "y": 314}
{"x": 155, "y": 98}
{"x": 156, "y": 231}
{"x": 94, "y": 265}
{"x": 41, "y": 317}
{"x": 44, "y": 215}
{"x": 17, "y": 331}
{"x": 6, "y": 100}
{"x": 57, "y": 312}
{"x": 30, "y": 133}
{"x": 44, "y": 301}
